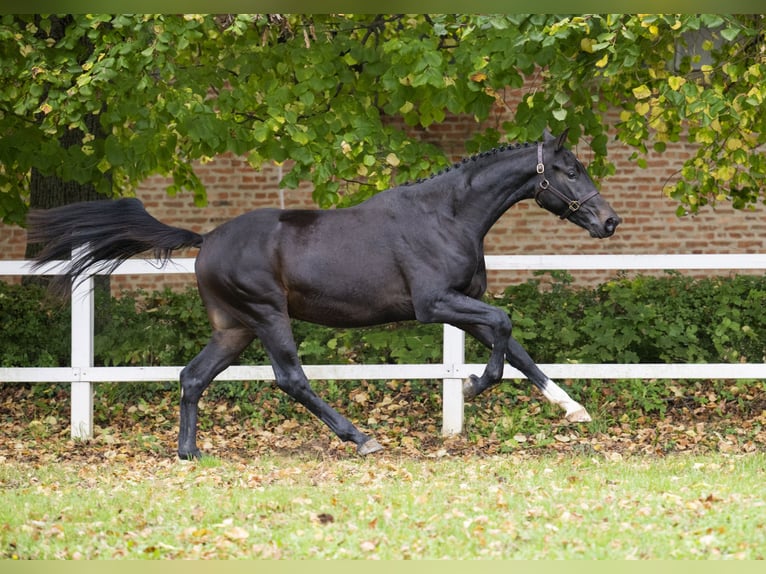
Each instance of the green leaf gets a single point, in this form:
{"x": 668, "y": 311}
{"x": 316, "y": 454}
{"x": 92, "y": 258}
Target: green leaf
{"x": 730, "y": 34}
{"x": 113, "y": 151}
{"x": 164, "y": 85}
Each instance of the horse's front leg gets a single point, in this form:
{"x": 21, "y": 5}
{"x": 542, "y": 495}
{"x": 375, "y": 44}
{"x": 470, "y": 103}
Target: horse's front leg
{"x": 457, "y": 309}
{"x": 519, "y": 359}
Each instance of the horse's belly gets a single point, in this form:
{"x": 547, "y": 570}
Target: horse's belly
{"x": 340, "y": 271}
{"x": 349, "y": 308}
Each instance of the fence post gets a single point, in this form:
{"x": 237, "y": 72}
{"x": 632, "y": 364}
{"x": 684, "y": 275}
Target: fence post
{"x": 82, "y": 305}
{"x": 452, "y": 387}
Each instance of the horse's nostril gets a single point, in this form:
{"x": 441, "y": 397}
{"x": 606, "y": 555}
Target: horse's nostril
{"x": 611, "y": 224}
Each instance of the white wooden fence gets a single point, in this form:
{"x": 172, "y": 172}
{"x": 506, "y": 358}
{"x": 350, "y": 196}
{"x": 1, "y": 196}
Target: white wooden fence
{"x": 82, "y": 374}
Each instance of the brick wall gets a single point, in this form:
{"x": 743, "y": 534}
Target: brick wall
{"x": 650, "y": 224}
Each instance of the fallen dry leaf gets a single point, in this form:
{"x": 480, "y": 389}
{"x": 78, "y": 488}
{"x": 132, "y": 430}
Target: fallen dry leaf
{"x": 236, "y": 533}
{"x": 699, "y": 417}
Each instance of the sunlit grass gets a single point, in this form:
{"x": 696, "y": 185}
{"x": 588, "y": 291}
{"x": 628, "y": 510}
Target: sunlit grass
{"x": 505, "y": 506}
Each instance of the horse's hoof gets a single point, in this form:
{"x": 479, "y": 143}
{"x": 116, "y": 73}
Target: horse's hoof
{"x": 579, "y": 416}
{"x": 469, "y": 387}
{"x": 195, "y": 454}
{"x": 369, "y": 447}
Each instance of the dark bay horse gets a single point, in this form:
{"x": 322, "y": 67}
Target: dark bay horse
{"x": 411, "y": 252}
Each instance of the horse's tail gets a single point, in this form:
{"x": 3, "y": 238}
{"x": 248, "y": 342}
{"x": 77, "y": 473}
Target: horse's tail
{"x": 109, "y": 231}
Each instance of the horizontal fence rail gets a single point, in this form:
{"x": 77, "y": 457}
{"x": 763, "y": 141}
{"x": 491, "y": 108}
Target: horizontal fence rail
{"x": 82, "y": 375}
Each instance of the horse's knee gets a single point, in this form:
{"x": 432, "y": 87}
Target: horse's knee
{"x": 192, "y": 387}
{"x": 500, "y": 326}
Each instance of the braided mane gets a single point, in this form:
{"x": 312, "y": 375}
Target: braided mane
{"x": 459, "y": 164}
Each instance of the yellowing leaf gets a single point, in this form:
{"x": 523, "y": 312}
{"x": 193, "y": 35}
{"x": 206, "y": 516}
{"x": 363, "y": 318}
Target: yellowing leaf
{"x": 586, "y": 45}
{"x": 725, "y": 172}
{"x": 392, "y": 159}
{"x": 642, "y": 92}
{"x": 733, "y": 144}
{"x": 603, "y": 61}
{"x": 675, "y": 82}
{"x": 642, "y": 108}
{"x": 658, "y": 124}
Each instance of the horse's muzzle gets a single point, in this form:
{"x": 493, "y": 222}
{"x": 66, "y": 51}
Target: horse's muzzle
{"x": 610, "y": 225}
{"x": 604, "y": 229}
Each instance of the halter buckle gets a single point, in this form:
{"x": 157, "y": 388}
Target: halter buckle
{"x": 540, "y": 168}
{"x": 574, "y": 205}
{"x": 544, "y": 184}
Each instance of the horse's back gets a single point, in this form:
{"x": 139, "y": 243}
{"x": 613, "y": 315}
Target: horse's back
{"x": 335, "y": 267}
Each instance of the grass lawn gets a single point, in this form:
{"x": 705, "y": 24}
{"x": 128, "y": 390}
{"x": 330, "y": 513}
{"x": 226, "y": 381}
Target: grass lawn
{"x": 667, "y": 477}
{"x": 547, "y": 506}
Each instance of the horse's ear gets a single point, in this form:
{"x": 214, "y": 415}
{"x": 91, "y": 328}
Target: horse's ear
{"x": 562, "y": 139}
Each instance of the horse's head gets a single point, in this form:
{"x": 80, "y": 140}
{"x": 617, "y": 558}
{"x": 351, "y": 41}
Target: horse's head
{"x": 565, "y": 189}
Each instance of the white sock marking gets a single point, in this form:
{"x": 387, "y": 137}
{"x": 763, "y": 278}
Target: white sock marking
{"x": 558, "y": 396}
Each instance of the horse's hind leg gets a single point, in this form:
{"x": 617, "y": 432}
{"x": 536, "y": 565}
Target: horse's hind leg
{"x": 277, "y": 339}
{"x": 222, "y": 350}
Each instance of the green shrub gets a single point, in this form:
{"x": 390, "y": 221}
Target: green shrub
{"x": 672, "y": 318}
{"x": 34, "y": 330}
{"x": 641, "y": 319}
{"x": 141, "y": 328}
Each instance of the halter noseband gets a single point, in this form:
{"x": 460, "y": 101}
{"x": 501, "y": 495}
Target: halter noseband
{"x": 545, "y": 185}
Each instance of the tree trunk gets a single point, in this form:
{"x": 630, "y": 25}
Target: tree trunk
{"x": 48, "y": 191}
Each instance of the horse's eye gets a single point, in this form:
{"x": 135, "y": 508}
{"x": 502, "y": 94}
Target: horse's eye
{"x": 572, "y": 174}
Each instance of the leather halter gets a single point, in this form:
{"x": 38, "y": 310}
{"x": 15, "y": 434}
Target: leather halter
{"x": 545, "y": 185}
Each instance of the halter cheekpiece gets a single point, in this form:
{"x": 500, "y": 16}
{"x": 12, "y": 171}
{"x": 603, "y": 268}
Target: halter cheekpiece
{"x": 573, "y": 205}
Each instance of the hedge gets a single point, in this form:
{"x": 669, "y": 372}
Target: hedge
{"x": 671, "y": 318}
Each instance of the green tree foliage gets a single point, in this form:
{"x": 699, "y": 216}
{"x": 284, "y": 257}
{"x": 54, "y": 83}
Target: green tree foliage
{"x": 674, "y": 77}
{"x": 335, "y": 94}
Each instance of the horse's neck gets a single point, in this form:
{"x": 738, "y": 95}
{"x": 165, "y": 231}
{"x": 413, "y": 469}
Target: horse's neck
{"x": 492, "y": 184}
{"x": 471, "y": 196}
